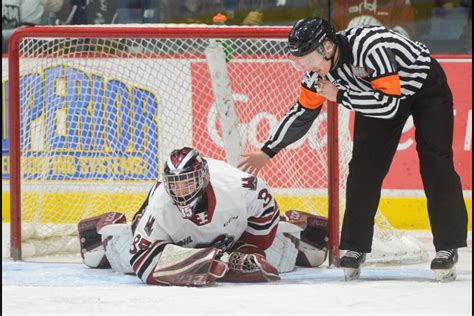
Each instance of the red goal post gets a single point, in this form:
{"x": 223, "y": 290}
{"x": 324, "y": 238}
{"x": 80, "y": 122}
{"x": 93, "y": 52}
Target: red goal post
{"x": 87, "y": 82}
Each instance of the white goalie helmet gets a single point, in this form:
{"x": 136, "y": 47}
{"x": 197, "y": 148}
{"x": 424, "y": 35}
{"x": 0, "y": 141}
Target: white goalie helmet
{"x": 186, "y": 176}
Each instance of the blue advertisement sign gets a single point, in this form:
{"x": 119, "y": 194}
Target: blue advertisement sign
{"x": 77, "y": 125}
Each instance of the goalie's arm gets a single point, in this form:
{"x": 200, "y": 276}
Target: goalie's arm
{"x": 145, "y": 255}
{"x": 263, "y": 215}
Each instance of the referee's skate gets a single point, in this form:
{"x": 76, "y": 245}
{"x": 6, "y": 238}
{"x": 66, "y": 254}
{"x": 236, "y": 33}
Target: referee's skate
{"x": 351, "y": 263}
{"x": 444, "y": 265}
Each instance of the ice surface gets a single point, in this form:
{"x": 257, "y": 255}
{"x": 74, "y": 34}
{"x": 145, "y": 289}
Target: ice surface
{"x": 31, "y": 288}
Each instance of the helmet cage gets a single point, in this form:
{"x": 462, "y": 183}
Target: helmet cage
{"x": 192, "y": 182}
{"x": 186, "y": 184}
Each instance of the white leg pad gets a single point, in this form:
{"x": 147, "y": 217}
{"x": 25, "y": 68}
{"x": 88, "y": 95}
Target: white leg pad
{"x": 117, "y": 239}
{"x": 282, "y": 253}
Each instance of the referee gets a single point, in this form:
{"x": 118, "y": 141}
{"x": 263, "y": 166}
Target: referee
{"x": 384, "y": 77}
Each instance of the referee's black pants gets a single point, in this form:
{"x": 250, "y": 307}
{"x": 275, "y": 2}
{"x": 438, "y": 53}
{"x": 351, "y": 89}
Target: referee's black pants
{"x": 375, "y": 144}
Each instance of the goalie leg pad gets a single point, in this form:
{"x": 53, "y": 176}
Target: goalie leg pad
{"x": 116, "y": 239}
{"x": 188, "y": 266}
{"x": 312, "y": 246}
{"x": 282, "y": 253}
{"x": 92, "y": 248}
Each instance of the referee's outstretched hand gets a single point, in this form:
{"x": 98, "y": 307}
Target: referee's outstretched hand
{"x": 253, "y": 161}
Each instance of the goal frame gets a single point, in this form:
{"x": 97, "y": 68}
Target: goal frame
{"x": 134, "y": 31}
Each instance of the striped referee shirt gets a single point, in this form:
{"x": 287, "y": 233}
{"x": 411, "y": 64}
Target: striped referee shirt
{"x": 377, "y": 68}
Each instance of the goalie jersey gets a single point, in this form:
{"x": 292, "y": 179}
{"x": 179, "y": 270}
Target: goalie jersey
{"x": 236, "y": 206}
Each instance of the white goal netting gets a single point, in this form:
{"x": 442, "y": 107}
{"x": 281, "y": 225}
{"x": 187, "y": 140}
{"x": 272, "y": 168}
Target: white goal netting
{"x": 99, "y": 115}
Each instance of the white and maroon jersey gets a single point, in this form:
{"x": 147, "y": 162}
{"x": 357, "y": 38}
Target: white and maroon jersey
{"x": 240, "y": 207}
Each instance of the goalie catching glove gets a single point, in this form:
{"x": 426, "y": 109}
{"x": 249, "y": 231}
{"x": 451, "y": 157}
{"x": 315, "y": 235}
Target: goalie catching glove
{"x": 244, "y": 267}
{"x": 248, "y": 263}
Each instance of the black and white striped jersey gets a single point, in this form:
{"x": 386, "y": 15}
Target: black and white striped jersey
{"x": 377, "y": 69}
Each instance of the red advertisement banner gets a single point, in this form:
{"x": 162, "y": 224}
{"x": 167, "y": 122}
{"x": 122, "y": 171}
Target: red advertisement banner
{"x": 404, "y": 173}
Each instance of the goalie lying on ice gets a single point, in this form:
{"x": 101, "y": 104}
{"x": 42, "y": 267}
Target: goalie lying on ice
{"x": 206, "y": 222}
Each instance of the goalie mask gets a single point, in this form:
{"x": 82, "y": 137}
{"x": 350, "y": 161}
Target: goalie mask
{"x": 186, "y": 176}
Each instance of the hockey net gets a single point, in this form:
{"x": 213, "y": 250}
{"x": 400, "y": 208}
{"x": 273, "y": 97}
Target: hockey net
{"x": 101, "y": 107}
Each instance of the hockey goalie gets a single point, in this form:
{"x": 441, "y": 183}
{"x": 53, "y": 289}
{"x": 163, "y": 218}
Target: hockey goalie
{"x": 206, "y": 222}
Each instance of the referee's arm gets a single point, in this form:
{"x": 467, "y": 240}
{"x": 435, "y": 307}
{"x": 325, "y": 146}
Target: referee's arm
{"x": 297, "y": 121}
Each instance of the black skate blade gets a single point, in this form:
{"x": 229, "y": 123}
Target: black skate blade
{"x": 351, "y": 274}
{"x": 445, "y": 275}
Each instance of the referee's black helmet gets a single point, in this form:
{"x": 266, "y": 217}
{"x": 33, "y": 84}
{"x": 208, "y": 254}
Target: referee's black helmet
{"x": 309, "y": 34}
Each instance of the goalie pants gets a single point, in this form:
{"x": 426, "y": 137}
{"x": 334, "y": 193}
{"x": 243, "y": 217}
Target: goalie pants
{"x": 375, "y": 144}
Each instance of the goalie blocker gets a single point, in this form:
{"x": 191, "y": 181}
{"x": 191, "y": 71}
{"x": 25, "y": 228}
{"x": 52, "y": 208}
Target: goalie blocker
{"x": 301, "y": 240}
